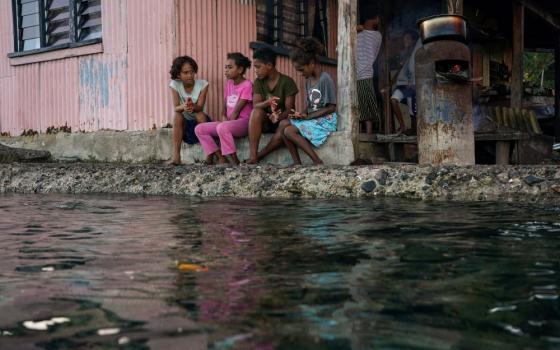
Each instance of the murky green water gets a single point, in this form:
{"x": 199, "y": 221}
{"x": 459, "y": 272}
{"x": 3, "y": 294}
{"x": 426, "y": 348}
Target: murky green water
{"x": 385, "y": 274}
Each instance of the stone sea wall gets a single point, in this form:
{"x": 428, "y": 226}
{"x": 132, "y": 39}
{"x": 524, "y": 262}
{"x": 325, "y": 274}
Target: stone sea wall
{"x": 523, "y": 184}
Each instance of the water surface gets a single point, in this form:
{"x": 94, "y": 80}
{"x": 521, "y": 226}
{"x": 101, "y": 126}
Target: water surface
{"x": 171, "y": 273}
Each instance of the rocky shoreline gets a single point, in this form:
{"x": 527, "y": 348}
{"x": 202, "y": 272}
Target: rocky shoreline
{"x": 522, "y": 184}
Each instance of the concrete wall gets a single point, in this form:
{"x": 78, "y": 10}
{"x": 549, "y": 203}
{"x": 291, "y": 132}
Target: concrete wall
{"x": 155, "y": 146}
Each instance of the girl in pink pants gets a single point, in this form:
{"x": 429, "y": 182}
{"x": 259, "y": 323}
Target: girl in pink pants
{"x": 234, "y": 123}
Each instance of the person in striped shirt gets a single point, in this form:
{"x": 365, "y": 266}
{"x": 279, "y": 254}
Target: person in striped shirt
{"x": 368, "y": 46}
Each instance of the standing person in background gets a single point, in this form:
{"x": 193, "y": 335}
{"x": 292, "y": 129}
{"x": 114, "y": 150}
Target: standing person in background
{"x": 189, "y": 102}
{"x": 405, "y": 86}
{"x": 368, "y": 47}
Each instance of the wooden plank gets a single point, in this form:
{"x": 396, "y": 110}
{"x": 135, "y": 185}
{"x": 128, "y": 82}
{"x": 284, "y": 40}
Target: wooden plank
{"x": 518, "y": 49}
{"x": 510, "y": 136}
{"x": 502, "y": 152}
{"x": 387, "y": 138}
{"x": 385, "y": 73}
{"x": 347, "y": 89}
{"x": 399, "y": 138}
{"x": 542, "y": 12}
{"x": 557, "y": 86}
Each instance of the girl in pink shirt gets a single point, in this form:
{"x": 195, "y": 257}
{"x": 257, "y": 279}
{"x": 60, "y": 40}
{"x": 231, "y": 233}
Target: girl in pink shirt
{"x": 238, "y": 104}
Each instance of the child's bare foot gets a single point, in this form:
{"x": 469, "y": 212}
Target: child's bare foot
{"x": 209, "y": 160}
{"x": 222, "y": 161}
{"x": 251, "y": 161}
{"x": 319, "y": 162}
{"x": 232, "y": 159}
{"x": 174, "y": 162}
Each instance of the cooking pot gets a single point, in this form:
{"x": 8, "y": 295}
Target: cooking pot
{"x": 443, "y": 27}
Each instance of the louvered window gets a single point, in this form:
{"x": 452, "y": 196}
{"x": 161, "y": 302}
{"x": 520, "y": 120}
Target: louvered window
{"x": 41, "y": 24}
{"x": 281, "y": 22}
{"x": 88, "y": 19}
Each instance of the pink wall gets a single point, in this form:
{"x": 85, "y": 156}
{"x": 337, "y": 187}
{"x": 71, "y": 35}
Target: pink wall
{"x": 125, "y": 87}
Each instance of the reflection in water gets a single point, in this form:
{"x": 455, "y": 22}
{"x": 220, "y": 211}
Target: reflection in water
{"x": 276, "y": 274}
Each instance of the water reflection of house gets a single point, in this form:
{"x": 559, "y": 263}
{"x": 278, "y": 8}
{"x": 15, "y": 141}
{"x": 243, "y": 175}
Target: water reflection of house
{"x": 100, "y": 64}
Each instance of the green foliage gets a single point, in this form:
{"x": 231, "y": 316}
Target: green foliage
{"x": 539, "y": 69}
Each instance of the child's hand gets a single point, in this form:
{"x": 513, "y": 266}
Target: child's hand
{"x": 273, "y": 103}
{"x": 189, "y": 105}
{"x": 297, "y": 115}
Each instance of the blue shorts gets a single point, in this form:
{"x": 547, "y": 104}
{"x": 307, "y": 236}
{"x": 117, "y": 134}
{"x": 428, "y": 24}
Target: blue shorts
{"x": 189, "y": 136}
{"x": 407, "y": 96}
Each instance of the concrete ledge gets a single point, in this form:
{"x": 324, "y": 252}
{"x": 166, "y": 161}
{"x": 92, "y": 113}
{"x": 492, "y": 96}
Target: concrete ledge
{"x": 155, "y": 146}
{"x": 529, "y": 184}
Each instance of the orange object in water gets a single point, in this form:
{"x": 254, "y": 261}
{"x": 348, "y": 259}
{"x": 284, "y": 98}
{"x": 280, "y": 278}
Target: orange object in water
{"x": 191, "y": 268}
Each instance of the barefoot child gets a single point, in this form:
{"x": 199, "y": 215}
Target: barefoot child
{"x": 273, "y": 99}
{"x": 189, "y": 100}
{"x": 312, "y": 128}
{"x": 238, "y": 97}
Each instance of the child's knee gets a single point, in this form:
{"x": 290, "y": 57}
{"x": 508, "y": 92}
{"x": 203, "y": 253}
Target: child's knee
{"x": 284, "y": 123}
{"x": 198, "y": 130}
{"x": 289, "y": 131}
{"x": 201, "y": 117}
{"x": 222, "y": 129}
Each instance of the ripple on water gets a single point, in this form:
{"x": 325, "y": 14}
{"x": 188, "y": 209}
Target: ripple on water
{"x": 277, "y": 274}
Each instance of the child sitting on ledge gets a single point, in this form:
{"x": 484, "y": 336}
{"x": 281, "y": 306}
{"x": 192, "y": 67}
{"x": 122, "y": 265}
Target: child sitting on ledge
{"x": 238, "y": 105}
{"x": 311, "y": 128}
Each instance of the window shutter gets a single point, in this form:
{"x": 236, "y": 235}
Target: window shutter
{"x": 294, "y": 21}
{"x": 57, "y": 15}
{"x": 283, "y": 22}
{"x": 262, "y": 33}
{"x": 320, "y": 29}
{"x": 29, "y": 27}
{"x": 88, "y": 19}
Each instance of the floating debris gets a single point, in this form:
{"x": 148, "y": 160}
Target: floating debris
{"x": 44, "y": 325}
{"x": 124, "y": 340}
{"x": 191, "y": 268}
{"x": 6, "y": 333}
{"x": 546, "y": 296}
{"x": 512, "y": 329}
{"x": 503, "y": 308}
{"x": 108, "y": 331}
{"x": 48, "y": 269}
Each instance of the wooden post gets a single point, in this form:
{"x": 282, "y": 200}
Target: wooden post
{"x": 385, "y": 74}
{"x": 518, "y": 50}
{"x": 502, "y": 152}
{"x": 455, "y": 7}
{"x": 557, "y": 86}
{"x": 347, "y": 88}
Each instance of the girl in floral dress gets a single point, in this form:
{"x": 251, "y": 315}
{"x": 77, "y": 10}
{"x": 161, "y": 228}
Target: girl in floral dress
{"x": 310, "y": 129}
